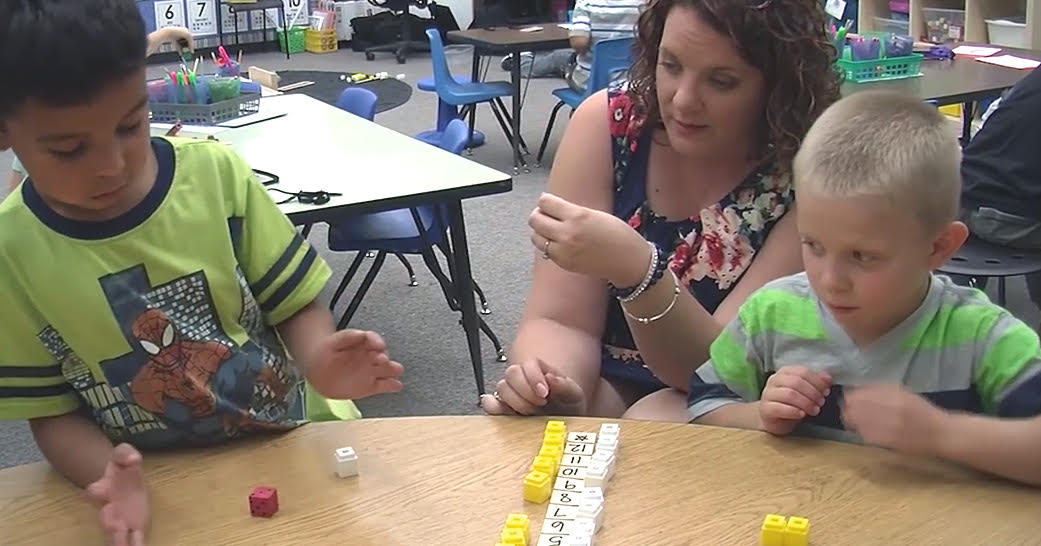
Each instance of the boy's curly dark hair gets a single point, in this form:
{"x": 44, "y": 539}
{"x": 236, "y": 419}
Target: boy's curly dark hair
{"x": 784, "y": 39}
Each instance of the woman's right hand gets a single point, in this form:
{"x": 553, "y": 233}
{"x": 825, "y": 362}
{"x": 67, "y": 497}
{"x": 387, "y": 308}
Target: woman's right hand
{"x": 533, "y": 387}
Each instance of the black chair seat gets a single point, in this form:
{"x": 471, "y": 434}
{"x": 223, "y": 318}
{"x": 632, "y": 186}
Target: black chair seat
{"x": 978, "y": 258}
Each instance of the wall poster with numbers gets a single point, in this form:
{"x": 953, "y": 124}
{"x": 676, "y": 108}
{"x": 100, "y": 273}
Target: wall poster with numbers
{"x": 169, "y": 13}
{"x": 201, "y": 17}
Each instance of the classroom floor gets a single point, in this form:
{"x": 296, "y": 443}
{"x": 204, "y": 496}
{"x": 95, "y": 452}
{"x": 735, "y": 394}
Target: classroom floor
{"x": 421, "y": 332}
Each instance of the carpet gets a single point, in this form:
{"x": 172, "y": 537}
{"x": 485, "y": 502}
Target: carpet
{"x": 328, "y": 86}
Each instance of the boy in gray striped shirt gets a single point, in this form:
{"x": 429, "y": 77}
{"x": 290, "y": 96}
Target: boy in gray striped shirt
{"x": 868, "y": 340}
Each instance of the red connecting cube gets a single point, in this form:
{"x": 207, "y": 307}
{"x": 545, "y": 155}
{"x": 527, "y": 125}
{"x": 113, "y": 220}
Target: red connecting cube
{"x": 263, "y": 502}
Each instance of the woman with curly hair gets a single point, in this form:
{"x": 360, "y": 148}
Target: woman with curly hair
{"x": 667, "y": 206}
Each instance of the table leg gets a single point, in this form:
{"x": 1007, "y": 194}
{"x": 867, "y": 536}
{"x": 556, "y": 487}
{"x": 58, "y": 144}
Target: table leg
{"x": 967, "y": 114}
{"x": 465, "y": 290}
{"x": 515, "y": 76}
{"x": 306, "y": 232}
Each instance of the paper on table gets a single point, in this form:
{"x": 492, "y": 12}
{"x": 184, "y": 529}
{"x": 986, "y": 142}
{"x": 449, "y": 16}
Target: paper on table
{"x": 1010, "y": 61}
{"x": 976, "y": 51}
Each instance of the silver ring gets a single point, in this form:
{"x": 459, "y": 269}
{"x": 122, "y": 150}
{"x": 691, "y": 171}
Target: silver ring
{"x": 545, "y": 250}
{"x": 495, "y": 395}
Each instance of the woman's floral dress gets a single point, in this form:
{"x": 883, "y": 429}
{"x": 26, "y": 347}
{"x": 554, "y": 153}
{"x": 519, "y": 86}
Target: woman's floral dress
{"x": 709, "y": 252}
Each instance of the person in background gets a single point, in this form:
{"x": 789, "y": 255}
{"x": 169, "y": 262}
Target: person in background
{"x": 167, "y": 35}
{"x": 592, "y": 21}
{"x": 1001, "y": 175}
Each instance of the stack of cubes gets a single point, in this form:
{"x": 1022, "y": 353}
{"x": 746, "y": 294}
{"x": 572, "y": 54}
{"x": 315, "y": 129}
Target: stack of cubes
{"x": 514, "y": 531}
{"x": 538, "y": 483}
{"x": 780, "y": 531}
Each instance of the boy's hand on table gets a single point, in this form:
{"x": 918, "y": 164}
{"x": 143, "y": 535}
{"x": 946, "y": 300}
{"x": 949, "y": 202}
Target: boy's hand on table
{"x": 892, "y": 417}
{"x": 790, "y": 395}
{"x": 533, "y": 386}
{"x": 351, "y": 364}
{"x": 122, "y": 498}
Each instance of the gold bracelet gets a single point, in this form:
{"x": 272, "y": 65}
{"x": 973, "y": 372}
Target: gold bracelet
{"x": 659, "y": 316}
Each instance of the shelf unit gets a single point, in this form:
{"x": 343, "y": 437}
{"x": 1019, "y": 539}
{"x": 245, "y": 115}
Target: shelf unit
{"x": 976, "y": 12}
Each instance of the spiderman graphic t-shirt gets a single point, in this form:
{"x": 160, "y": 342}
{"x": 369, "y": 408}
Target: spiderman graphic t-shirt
{"x": 158, "y": 324}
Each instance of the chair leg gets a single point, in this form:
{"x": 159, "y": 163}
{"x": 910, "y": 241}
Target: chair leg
{"x": 473, "y": 121}
{"x": 503, "y": 124}
{"x": 365, "y": 284}
{"x": 509, "y": 119}
{"x": 351, "y": 271}
{"x": 549, "y": 130}
{"x": 485, "y": 310}
{"x": 500, "y": 353}
{"x": 408, "y": 267}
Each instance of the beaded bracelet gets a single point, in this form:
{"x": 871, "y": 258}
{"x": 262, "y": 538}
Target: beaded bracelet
{"x": 668, "y": 308}
{"x": 655, "y": 269}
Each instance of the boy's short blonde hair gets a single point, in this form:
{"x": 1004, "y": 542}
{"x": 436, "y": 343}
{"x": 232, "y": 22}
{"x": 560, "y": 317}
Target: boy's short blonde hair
{"x": 884, "y": 144}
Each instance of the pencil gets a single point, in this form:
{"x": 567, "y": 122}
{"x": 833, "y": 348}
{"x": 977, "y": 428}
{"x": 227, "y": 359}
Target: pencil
{"x": 195, "y": 67}
{"x": 240, "y": 57}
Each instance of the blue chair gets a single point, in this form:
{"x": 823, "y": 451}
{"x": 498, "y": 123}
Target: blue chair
{"x": 468, "y": 95}
{"x": 358, "y": 101}
{"x": 415, "y": 230}
{"x": 445, "y": 113}
{"x": 609, "y": 58}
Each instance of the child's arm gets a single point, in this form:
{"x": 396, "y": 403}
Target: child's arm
{"x": 340, "y": 365}
{"x": 1005, "y": 447}
{"x": 74, "y": 446}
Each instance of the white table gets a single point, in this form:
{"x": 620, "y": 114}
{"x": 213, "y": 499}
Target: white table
{"x": 315, "y": 146}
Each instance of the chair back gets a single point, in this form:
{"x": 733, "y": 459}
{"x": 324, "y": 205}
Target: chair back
{"x": 444, "y": 83}
{"x": 455, "y": 137}
{"x": 609, "y": 58}
{"x": 358, "y": 101}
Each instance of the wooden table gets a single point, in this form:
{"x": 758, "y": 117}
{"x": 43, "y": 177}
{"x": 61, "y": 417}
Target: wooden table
{"x": 452, "y": 480}
{"x": 511, "y": 41}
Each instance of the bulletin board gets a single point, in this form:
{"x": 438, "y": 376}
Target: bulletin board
{"x": 201, "y": 18}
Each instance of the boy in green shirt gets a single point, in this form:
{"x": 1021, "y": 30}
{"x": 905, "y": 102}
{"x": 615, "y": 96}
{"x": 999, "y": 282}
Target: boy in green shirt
{"x": 147, "y": 285}
{"x": 868, "y": 344}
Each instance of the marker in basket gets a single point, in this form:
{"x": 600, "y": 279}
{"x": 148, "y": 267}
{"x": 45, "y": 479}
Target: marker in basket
{"x": 224, "y": 55}
{"x": 174, "y": 90}
{"x": 240, "y": 58}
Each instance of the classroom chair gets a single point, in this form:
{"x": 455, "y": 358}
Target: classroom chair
{"x": 468, "y": 95}
{"x": 609, "y": 58}
{"x": 402, "y": 47}
{"x": 445, "y": 113}
{"x": 981, "y": 260}
{"x": 358, "y": 101}
{"x": 415, "y": 230}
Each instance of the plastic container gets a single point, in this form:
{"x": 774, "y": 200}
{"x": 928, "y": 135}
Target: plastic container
{"x": 296, "y": 40}
{"x": 321, "y": 41}
{"x": 896, "y": 68}
{"x": 222, "y": 89}
{"x": 1008, "y": 31}
{"x": 892, "y": 26}
{"x": 206, "y": 114}
{"x": 944, "y": 25}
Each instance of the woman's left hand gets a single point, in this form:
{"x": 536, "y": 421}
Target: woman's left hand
{"x": 588, "y": 241}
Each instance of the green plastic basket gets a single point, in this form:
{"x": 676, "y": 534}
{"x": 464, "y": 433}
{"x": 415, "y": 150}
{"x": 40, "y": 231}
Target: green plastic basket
{"x": 882, "y": 69}
{"x": 296, "y": 40}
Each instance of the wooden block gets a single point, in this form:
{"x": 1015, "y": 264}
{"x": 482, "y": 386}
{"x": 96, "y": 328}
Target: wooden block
{"x": 552, "y": 540}
{"x": 797, "y": 532}
{"x": 581, "y": 437}
{"x": 561, "y": 511}
{"x": 576, "y": 472}
{"x": 772, "y": 532}
{"x": 576, "y": 460}
{"x": 265, "y": 78}
{"x": 569, "y": 484}
{"x": 567, "y": 498}
{"x": 573, "y": 448}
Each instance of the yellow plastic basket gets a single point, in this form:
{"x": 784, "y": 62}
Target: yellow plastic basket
{"x": 321, "y": 41}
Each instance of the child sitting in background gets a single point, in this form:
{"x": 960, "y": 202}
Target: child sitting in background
{"x": 868, "y": 338}
{"x": 147, "y": 285}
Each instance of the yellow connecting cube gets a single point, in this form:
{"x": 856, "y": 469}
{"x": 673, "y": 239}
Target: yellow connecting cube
{"x": 518, "y": 521}
{"x": 538, "y": 486}
{"x": 797, "y": 532}
{"x": 556, "y": 426}
{"x": 514, "y": 537}
{"x": 553, "y": 439}
{"x": 544, "y": 464}
{"x": 553, "y": 452}
{"x": 773, "y": 530}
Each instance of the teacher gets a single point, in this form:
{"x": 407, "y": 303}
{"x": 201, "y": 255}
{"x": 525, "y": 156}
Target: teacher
{"x": 667, "y": 206}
